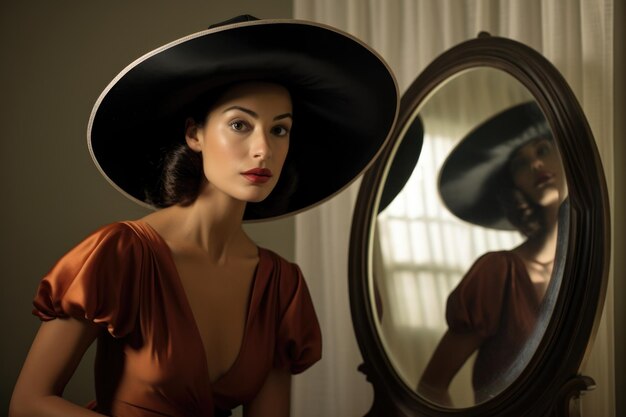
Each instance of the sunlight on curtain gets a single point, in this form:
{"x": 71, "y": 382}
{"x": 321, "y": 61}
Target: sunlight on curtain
{"x": 425, "y": 249}
{"x": 422, "y": 253}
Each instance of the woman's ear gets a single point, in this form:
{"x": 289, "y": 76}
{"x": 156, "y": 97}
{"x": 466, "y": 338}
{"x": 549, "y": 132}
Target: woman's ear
{"x": 191, "y": 135}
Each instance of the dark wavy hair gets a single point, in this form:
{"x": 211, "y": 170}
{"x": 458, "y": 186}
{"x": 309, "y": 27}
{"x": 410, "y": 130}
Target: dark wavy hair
{"x": 182, "y": 173}
{"x": 519, "y": 210}
{"x": 525, "y": 215}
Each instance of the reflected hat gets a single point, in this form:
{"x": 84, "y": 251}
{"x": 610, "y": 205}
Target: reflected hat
{"x": 472, "y": 173}
{"x": 345, "y": 102}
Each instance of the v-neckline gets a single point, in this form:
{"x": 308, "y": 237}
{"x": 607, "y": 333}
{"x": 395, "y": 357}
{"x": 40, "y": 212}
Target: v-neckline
{"x": 517, "y": 258}
{"x": 189, "y": 311}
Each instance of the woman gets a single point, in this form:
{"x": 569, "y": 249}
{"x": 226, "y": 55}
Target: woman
{"x": 506, "y": 174}
{"x": 191, "y": 318}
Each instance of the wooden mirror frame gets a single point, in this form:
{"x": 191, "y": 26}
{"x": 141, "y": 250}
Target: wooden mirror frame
{"x": 550, "y": 380}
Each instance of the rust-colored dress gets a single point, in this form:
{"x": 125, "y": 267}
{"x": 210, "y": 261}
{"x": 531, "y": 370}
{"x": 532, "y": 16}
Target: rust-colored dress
{"x": 497, "y": 300}
{"x": 151, "y": 362}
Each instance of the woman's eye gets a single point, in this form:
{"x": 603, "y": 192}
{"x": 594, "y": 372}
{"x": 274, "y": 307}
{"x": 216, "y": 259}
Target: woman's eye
{"x": 238, "y": 125}
{"x": 280, "y": 131}
{"x": 543, "y": 149}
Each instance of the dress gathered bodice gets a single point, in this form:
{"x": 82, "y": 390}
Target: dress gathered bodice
{"x": 150, "y": 359}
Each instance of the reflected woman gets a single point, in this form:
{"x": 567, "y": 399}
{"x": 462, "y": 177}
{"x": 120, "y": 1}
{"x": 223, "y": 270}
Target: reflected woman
{"x": 506, "y": 174}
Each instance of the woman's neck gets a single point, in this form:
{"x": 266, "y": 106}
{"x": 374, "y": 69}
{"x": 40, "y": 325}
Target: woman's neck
{"x": 542, "y": 246}
{"x": 212, "y": 223}
{"x": 539, "y": 251}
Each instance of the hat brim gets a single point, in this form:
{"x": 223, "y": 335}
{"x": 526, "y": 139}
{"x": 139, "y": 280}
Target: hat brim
{"x": 470, "y": 176}
{"x": 404, "y": 162}
{"x": 344, "y": 95}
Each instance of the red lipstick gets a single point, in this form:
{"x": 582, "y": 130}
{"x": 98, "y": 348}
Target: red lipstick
{"x": 258, "y": 175}
{"x": 543, "y": 178}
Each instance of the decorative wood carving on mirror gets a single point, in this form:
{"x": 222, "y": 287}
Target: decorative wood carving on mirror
{"x": 542, "y": 378}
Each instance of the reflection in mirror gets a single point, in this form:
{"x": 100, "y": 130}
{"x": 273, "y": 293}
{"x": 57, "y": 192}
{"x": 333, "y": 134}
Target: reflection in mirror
{"x": 466, "y": 237}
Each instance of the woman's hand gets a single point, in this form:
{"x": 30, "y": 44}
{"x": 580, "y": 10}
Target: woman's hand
{"x": 452, "y": 352}
{"x": 53, "y": 357}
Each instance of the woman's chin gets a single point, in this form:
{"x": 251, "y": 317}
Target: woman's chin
{"x": 255, "y": 197}
{"x": 256, "y": 200}
{"x": 550, "y": 197}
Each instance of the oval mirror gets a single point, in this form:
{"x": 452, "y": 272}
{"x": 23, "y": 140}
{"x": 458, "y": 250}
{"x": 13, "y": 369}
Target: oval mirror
{"x": 470, "y": 268}
{"x": 435, "y": 227}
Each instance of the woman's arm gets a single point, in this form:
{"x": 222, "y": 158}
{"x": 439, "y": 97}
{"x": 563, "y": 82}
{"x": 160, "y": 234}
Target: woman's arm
{"x": 53, "y": 357}
{"x": 452, "y": 352}
{"x": 273, "y": 398}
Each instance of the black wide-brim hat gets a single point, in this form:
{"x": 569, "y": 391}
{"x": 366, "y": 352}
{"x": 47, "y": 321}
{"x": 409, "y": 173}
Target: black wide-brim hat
{"x": 345, "y": 102}
{"x": 473, "y": 172}
{"x": 404, "y": 162}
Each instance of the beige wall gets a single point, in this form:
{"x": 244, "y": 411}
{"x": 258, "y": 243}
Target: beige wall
{"x": 55, "y": 59}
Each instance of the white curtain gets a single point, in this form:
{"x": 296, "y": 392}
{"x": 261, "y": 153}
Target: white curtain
{"x": 575, "y": 35}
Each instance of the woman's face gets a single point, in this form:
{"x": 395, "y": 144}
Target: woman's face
{"x": 538, "y": 173}
{"x": 244, "y": 140}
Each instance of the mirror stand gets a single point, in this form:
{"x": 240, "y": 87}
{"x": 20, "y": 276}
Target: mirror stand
{"x": 565, "y": 404}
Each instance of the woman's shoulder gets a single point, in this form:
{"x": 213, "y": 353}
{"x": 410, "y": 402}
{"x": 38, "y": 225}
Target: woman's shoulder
{"x": 477, "y": 301}
{"x": 286, "y": 274}
{"x": 269, "y": 253}
{"x": 115, "y": 241}
{"x": 495, "y": 259}
{"x": 125, "y": 231}
{"x": 118, "y": 229}
{"x": 491, "y": 270}
{"x": 90, "y": 280}
{"x": 276, "y": 260}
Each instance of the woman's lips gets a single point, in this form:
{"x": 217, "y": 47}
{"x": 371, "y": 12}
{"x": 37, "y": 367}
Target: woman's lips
{"x": 543, "y": 179}
{"x": 258, "y": 175}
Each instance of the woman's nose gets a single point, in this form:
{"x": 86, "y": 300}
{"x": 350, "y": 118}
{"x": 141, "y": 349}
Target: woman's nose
{"x": 536, "y": 164}
{"x": 261, "y": 148}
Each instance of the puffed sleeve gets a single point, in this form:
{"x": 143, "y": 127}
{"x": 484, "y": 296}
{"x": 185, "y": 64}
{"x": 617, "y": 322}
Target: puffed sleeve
{"x": 299, "y": 338}
{"x": 96, "y": 280}
{"x": 475, "y": 305}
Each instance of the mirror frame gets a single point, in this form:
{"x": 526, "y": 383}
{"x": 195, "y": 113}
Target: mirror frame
{"x": 550, "y": 380}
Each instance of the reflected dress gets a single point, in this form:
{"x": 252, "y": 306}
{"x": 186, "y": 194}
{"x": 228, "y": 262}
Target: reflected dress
{"x": 497, "y": 300}
{"x": 150, "y": 359}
